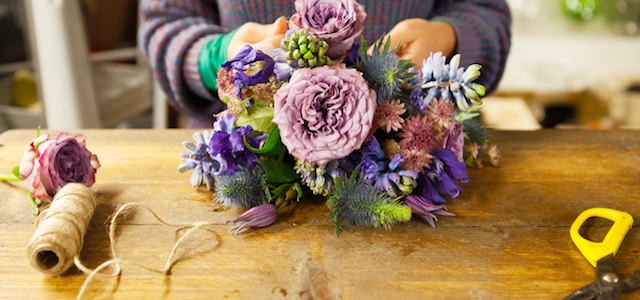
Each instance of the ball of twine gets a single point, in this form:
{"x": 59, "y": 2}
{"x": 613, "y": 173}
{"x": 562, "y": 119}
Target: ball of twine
{"x": 60, "y": 230}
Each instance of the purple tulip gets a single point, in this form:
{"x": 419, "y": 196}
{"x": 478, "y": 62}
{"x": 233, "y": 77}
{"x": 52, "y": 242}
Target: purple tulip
{"x": 50, "y": 163}
{"x": 256, "y": 217}
{"x": 338, "y": 22}
{"x": 324, "y": 113}
{"x": 425, "y": 209}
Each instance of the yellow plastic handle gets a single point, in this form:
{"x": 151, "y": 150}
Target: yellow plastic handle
{"x": 593, "y": 251}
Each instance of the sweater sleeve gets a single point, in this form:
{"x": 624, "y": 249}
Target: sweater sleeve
{"x": 171, "y": 35}
{"x": 483, "y": 34}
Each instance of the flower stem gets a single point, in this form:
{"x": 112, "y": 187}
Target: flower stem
{"x": 9, "y": 178}
{"x": 36, "y": 206}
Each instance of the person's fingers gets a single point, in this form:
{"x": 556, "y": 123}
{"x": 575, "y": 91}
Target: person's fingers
{"x": 395, "y": 42}
{"x": 280, "y": 26}
{"x": 414, "y": 52}
{"x": 270, "y": 43}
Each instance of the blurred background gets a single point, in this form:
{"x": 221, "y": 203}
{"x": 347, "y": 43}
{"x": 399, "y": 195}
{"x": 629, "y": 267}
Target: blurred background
{"x": 573, "y": 63}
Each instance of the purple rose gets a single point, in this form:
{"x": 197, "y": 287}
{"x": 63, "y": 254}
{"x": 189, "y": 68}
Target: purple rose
{"x": 338, "y": 22}
{"x": 324, "y": 113}
{"x": 251, "y": 66}
{"x": 50, "y": 163}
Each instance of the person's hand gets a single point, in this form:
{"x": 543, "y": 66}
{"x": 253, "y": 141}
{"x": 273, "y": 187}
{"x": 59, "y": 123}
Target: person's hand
{"x": 264, "y": 37}
{"x": 417, "y": 38}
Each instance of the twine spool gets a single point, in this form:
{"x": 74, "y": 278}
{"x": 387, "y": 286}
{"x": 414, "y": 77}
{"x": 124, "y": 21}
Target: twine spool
{"x": 60, "y": 230}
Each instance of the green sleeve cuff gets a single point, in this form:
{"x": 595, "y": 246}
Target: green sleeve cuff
{"x": 212, "y": 56}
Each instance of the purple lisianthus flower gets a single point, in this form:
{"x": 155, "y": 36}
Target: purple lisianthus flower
{"x": 425, "y": 209}
{"x": 454, "y": 141}
{"x": 226, "y": 145}
{"x": 251, "y": 66}
{"x": 324, "y": 113}
{"x": 442, "y": 175}
{"x": 256, "y": 217}
{"x": 51, "y": 162}
{"x": 338, "y": 22}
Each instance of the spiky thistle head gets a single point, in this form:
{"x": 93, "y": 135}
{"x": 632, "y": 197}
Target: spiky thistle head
{"x": 475, "y": 132}
{"x": 242, "y": 189}
{"x": 305, "y": 50}
{"x": 354, "y": 202}
{"x": 383, "y": 70}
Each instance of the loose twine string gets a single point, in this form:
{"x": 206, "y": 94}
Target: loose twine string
{"x": 60, "y": 230}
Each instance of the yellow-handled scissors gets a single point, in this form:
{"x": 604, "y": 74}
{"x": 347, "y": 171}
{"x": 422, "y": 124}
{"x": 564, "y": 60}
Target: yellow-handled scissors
{"x": 608, "y": 285}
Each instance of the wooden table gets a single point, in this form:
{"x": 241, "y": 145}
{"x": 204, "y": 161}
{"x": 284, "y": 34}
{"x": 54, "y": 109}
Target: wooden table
{"x": 510, "y": 238}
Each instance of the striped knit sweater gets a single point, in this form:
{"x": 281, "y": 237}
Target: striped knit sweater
{"x": 173, "y": 32}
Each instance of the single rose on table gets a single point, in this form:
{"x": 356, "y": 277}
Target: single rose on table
{"x": 51, "y": 162}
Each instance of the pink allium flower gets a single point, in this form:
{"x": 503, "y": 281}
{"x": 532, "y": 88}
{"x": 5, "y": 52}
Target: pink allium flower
{"x": 415, "y": 159}
{"x": 324, "y": 113}
{"x": 418, "y": 134}
{"x": 338, "y": 22}
{"x": 441, "y": 112}
{"x": 50, "y": 163}
{"x": 389, "y": 115}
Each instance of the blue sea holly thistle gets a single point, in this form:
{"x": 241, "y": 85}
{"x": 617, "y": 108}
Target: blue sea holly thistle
{"x": 353, "y": 202}
{"x": 385, "y": 72}
{"x": 243, "y": 189}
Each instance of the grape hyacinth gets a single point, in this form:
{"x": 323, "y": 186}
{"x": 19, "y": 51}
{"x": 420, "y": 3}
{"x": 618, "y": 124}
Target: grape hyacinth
{"x": 451, "y": 83}
{"x": 386, "y": 176}
{"x": 197, "y": 158}
{"x": 320, "y": 179}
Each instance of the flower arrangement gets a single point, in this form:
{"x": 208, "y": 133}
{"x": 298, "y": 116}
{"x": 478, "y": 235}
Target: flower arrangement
{"x": 50, "y": 162}
{"x": 379, "y": 140}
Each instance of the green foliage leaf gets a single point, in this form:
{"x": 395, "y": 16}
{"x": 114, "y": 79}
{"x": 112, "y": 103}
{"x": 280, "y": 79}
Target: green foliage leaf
{"x": 278, "y": 172}
{"x": 281, "y": 190}
{"x": 16, "y": 171}
{"x": 259, "y": 116}
{"x": 272, "y": 146}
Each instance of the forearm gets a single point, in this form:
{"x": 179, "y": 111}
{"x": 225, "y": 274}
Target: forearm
{"x": 171, "y": 35}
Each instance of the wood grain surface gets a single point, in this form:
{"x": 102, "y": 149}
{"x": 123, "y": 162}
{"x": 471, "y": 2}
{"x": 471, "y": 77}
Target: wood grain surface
{"x": 509, "y": 240}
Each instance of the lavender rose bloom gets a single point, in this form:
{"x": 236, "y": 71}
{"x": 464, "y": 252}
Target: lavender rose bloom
{"x": 338, "y": 22}
{"x": 50, "y": 163}
{"x": 324, "y": 113}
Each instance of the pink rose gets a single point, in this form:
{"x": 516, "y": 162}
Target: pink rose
{"x": 50, "y": 163}
{"x": 324, "y": 113}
